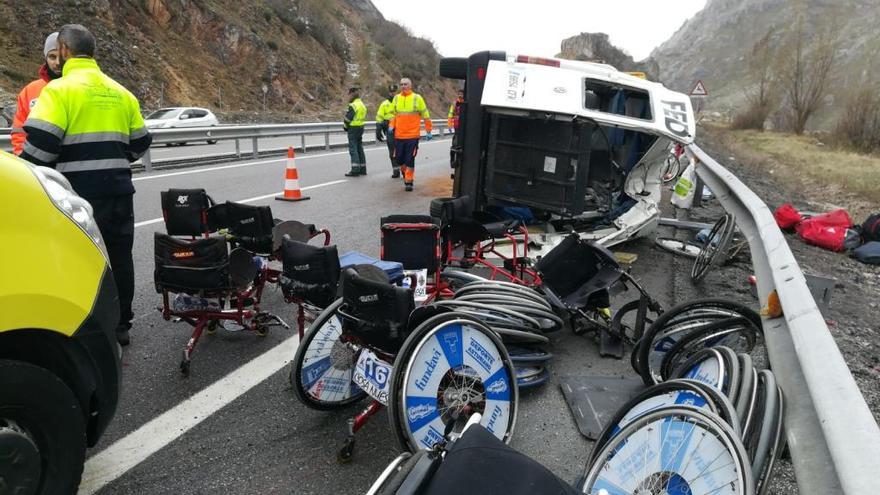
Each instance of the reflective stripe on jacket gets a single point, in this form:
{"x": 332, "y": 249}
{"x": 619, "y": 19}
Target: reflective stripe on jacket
{"x": 407, "y": 112}
{"x": 88, "y": 127}
{"x": 384, "y": 112}
{"x": 356, "y": 114}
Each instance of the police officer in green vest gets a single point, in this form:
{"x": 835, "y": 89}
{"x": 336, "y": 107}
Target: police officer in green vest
{"x": 354, "y": 126}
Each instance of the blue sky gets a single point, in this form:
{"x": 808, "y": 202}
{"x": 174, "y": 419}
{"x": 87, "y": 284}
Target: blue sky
{"x": 459, "y": 27}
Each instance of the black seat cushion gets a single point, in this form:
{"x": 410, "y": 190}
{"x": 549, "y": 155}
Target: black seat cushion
{"x": 379, "y": 309}
{"x": 500, "y": 229}
{"x": 185, "y": 211}
{"x": 485, "y": 465}
{"x": 310, "y": 272}
{"x": 413, "y": 240}
{"x": 200, "y": 265}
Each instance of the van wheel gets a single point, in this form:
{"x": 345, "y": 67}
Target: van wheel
{"x": 42, "y": 431}
{"x": 454, "y": 67}
{"x": 212, "y": 141}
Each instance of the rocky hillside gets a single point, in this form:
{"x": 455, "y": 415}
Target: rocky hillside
{"x": 596, "y": 47}
{"x": 715, "y": 46}
{"x": 298, "y": 56}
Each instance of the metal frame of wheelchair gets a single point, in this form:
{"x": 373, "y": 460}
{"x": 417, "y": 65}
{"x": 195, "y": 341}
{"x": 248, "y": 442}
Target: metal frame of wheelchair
{"x": 445, "y": 366}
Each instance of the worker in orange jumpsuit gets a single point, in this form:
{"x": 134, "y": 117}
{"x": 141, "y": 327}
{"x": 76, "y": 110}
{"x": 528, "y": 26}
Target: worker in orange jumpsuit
{"x": 408, "y": 109}
{"x": 27, "y": 98}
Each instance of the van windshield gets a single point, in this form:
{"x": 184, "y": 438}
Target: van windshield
{"x": 164, "y": 113}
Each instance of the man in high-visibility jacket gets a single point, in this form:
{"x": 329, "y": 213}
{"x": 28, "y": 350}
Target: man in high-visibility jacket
{"x": 353, "y": 123}
{"x": 89, "y": 128}
{"x": 454, "y": 117}
{"x": 383, "y": 133}
{"x": 408, "y": 109}
{"x": 27, "y": 98}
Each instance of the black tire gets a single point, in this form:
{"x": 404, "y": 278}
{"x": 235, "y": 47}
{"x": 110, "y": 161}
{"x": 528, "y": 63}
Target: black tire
{"x": 767, "y": 437}
{"x": 743, "y": 400}
{"x": 45, "y": 409}
{"x": 708, "y": 335}
{"x": 211, "y": 141}
{"x": 296, "y": 370}
{"x": 454, "y": 67}
{"x": 699, "y": 311}
{"x": 620, "y": 329}
{"x": 716, "y": 254}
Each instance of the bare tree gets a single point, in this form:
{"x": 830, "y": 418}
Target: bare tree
{"x": 761, "y": 95}
{"x": 806, "y": 71}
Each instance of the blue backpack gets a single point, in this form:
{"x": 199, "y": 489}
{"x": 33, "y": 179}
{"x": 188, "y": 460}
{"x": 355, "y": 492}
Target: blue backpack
{"x": 868, "y": 252}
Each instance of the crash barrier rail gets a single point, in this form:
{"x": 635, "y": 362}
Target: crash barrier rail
{"x": 239, "y": 132}
{"x": 833, "y": 438}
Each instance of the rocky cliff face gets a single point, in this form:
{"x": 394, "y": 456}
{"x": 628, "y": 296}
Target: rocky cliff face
{"x": 223, "y": 53}
{"x": 596, "y": 47}
{"x": 715, "y": 46}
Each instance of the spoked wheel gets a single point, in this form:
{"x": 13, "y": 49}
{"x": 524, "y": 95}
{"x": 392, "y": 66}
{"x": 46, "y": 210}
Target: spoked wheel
{"x": 323, "y": 367}
{"x": 450, "y": 367}
{"x": 714, "y": 250}
{"x": 672, "y": 450}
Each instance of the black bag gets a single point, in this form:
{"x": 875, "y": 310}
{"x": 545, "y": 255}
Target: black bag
{"x": 380, "y": 310}
{"x": 201, "y": 265}
{"x": 869, "y": 252}
{"x": 871, "y": 228}
{"x": 310, "y": 272}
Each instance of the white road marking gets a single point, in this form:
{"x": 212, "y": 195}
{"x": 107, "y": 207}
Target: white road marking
{"x": 248, "y": 200}
{"x": 137, "y": 446}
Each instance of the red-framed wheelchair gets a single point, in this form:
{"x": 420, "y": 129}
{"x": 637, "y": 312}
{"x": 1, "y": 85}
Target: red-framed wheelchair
{"x": 470, "y": 243}
{"x": 414, "y": 241}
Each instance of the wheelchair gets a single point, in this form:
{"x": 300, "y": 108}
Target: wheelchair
{"x": 470, "y": 243}
{"x": 578, "y": 278}
{"x": 414, "y": 241}
{"x": 210, "y": 283}
{"x": 432, "y": 367}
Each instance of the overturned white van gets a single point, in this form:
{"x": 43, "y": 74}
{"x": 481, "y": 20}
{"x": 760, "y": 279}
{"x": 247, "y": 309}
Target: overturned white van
{"x": 581, "y": 144}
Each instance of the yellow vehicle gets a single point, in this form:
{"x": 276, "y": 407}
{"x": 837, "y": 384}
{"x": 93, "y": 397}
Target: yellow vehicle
{"x": 59, "y": 360}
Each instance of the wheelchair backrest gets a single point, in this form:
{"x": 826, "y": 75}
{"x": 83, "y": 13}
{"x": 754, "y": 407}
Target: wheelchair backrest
{"x": 379, "y": 309}
{"x": 186, "y": 211}
{"x": 413, "y": 240}
{"x": 572, "y": 263}
{"x": 252, "y": 224}
{"x": 191, "y": 266}
{"x": 310, "y": 272}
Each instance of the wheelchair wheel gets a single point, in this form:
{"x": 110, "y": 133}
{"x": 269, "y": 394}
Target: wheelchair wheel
{"x": 714, "y": 250}
{"x": 450, "y": 367}
{"x": 672, "y": 450}
{"x": 323, "y": 367}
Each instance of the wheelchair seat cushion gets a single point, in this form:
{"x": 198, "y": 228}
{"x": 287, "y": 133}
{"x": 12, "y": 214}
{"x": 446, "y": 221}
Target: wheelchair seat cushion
{"x": 185, "y": 211}
{"x": 380, "y": 310}
{"x": 500, "y": 229}
{"x": 484, "y": 464}
{"x": 309, "y": 272}
{"x": 191, "y": 266}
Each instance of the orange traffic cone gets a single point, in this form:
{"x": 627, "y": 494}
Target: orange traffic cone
{"x": 291, "y": 181}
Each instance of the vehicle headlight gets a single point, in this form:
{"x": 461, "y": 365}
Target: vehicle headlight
{"x": 74, "y": 207}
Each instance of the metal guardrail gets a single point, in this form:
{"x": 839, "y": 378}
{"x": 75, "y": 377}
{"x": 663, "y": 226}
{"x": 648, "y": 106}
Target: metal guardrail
{"x": 239, "y": 132}
{"x": 832, "y": 435}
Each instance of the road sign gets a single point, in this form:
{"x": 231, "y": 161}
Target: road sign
{"x": 699, "y": 89}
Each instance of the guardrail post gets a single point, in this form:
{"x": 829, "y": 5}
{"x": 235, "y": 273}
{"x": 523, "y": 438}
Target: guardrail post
{"x": 256, "y": 152}
{"x": 237, "y": 149}
{"x": 147, "y": 161}
{"x": 302, "y": 138}
{"x": 326, "y": 140}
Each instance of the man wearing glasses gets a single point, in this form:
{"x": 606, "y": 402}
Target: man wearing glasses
{"x": 408, "y": 109}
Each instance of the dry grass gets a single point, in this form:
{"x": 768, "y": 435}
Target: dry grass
{"x": 805, "y": 166}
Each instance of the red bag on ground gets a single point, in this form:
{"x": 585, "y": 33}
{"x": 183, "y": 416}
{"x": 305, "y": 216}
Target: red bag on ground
{"x": 827, "y": 230}
{"x": 787, "y": 216}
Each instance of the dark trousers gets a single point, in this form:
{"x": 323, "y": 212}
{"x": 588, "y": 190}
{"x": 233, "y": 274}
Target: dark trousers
{"x": 115, "y": 218}
{"x": 389, "y": 140}
{"x": 405, "y": 151}
{"x": 356, "y": 145}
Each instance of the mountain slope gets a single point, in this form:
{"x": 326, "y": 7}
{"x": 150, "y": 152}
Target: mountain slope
{"x": 222, "y": 53}
{"x": 714, "y": 46}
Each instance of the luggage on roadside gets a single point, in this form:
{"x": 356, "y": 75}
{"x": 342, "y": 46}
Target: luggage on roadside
{"x": 827, "y": 230}
{"x": 871, "y": 228}
{"x": 868, "y": 252}
{"x": 787, "y": 216}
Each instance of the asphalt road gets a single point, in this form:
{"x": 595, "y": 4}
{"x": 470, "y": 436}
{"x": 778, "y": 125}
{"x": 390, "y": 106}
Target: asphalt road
{"x": 227, "y": 431}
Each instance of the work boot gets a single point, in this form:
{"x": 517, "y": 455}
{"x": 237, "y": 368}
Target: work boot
{"x": 395, "y": 173}
{"x": 363, "y": 169}
{"x": 355, "y": 170}
{"x": 122, "y": 337}
{"x": 408, "y": 186}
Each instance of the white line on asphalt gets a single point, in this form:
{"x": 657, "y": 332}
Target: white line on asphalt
{"x": 248, "y": 200}
{"x": 134, "y": 448}
{"x": 248, "y": 164}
